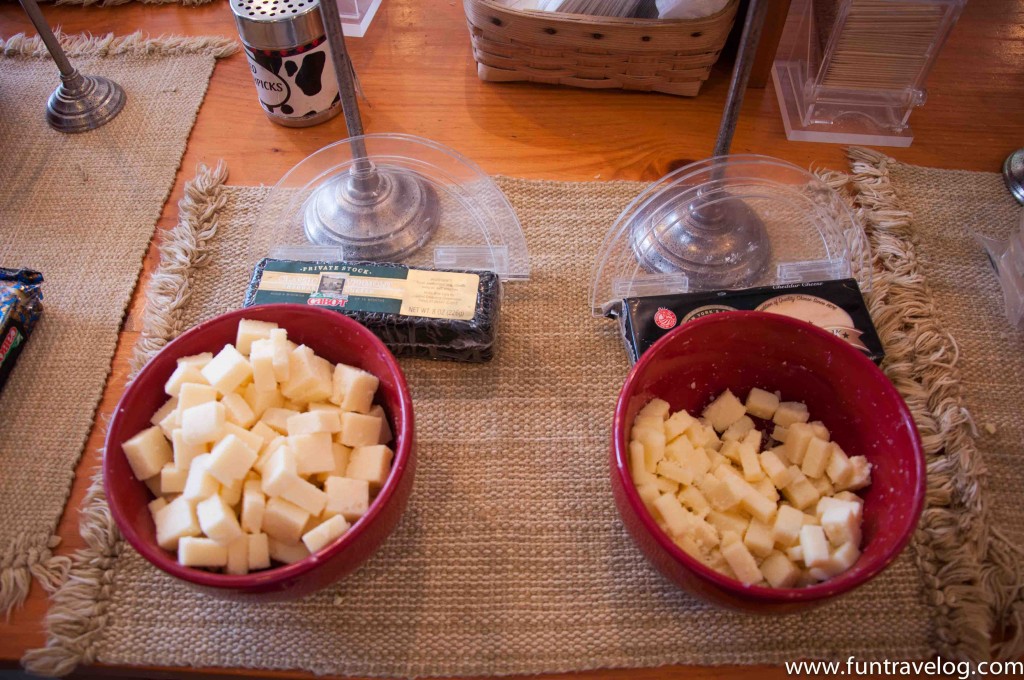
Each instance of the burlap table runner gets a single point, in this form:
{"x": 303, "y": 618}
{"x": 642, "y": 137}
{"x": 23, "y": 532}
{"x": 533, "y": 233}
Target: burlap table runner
{"x": 81, "y": 209}
{"x": 970, "y": 357}
{"x": 511, "y": 557}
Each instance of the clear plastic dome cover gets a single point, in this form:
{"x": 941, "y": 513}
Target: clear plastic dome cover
{"x": 476, "y": 227}
{"x": 809, "y": 233}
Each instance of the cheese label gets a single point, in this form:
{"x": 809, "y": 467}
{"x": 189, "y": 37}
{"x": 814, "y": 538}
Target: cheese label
{"x": 369, "y": 288}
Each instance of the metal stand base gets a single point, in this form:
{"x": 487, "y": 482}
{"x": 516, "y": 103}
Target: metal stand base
{"x": 719, "y": 244}
{"x": 84, "y": 103}
{"x": 1013, "y": 174}
{"x": 378, "y": 214}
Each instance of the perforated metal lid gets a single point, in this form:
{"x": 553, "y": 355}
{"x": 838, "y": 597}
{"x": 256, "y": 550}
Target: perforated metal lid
{"x": 277, "y": 24}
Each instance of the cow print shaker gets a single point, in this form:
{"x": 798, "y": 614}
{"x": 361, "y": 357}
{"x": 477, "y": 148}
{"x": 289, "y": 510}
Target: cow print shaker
{"x": 288, "y": 55}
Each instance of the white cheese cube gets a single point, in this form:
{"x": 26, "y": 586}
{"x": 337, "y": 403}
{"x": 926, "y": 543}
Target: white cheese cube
{"x": 254, "y": 503}
{"x": 677, "y": 518}
{"x": 358, "y": 429}
{"x": 283, "y": 521}
{"x": 353, "y": 389}
{"x": 310, "y": 378}
{"x": 841, "y": 524}
{"x": 237, "y": 410}
{"x": 819, "y": 429}
{"x": 652, "y": 439}
{"x": 341, "y": 455}
{"x": 325, "y": 533}
{"x": 230, "y": 460}
{"x": 656, "y": 407}
{"x": 752, "y": 439}
{"x": 170, "y": 422}
{"x": 277, "y": 419}
{"x": 175, "y": 521}
{"x": 677, "y": 424}
{"x": 811, "y": 519}
{"x": 200, "y": 484}
{"x": 201, "y": 552}
{"x": 731, "y": 450}
{"x": 649, "y": 423}
{"x": 638, "y": 464}
{"x": 261, "y": 400}
{"x": 261, "y": 358}
{"x": 788, "y": 522}
{"x": 268, "y": 452}
{"x": 844, "y": 557}
{"x": 185, "y": 453}
{"x": 779, "y": 571}
{"x": 780, "y": 475}
{"x": 815, "y": 458}
{"x": 250, "y": 330}
{"x": 850, "y": 497}
{"x": 317, "y": 421}
{"x": 839, "y": 469}
{"x": 155, "y": 506}
{"x": 751, "y": 464}
{"x": 719, "y": 494}
{"x": 757, "y": 505}
{"x": 738, "y": 430}
{"x": 259, "y": 551}
{"x": 385, "y": 429}
{"x": 675, "y": 472}
{"x": 699, "y": 434}
{"x": 282, "y": 350}
{"x": 372, "y": 463}
{"x": 693, "y": 459}
{"x": 789, "y": 412}
{"x": 183, "y": 374}
{"x": 795, "y": 554}
{"x": 313, "y": 453}
{"x": 232, "y": 493}
{"x": 238, "y": 556}
{"x": 288, "y": 553}
{"x": 798, "y": 438}
{"x": 196, "y": 360}
{"x": 266, "y": 434}
{"x": 780, "y": 433}
{"x": 762, "y": 404}
{"x": 822, "y": 486}
{"x": 800, "y": 492}
{"x": 253, "y": 441}
{"x": 728, "y": 522}
{"x": 648, "y": 494}
{"x": 347, "y": 497}
{"x": 861, "y": 476}
{"x": 742, "y": 563}
{"x": 666, "y": 485}
{"x": 814, "y": 546}
{"x": 147, "y": 452}
{"x": 758, "y": 538}
{"x": 194, "y": 394}
{"x": 172, "y": 479}
{"x": 217, "y": 520}
{"x": 227, "y": 370}
{"x": 153, "y": 484}
{"x": 695, "y": 501}
{"x": 164, "y": 411}
{"x": 765, "y": 487}
{"x": 725, "y": 410}
{"x": 204, "y": 423}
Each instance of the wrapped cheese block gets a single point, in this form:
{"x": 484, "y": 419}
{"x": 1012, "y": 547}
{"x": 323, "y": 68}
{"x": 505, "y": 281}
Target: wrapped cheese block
{"x": 20, "y": 306}
{"x": 418, "y": 312}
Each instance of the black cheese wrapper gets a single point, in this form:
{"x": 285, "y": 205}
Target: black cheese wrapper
{"x": 20, "y": 306}
{"x": 836, "y": 306}
{"x": 409, "y": 335}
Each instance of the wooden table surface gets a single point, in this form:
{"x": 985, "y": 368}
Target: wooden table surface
{"x": 419, "y": 78}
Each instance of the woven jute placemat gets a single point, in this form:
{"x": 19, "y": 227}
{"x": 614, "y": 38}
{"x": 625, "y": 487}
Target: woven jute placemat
{"x": 81, "y": 209}
{"x": 511, "y": 557}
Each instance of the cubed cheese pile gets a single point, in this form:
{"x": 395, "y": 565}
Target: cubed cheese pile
{"x": 785, "y": 516}
{"x": 265, "y": 452}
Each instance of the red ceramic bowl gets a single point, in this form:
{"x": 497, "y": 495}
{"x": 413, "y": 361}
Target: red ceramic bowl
{"x": 695, "y": 362}
{"x": 332, "y": 336}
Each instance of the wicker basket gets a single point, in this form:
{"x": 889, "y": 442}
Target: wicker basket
{"x": 673, "y": 55}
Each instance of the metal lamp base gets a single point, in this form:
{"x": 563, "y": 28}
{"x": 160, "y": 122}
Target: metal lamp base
{"x": 84, "y": 103}
{"x": 378, "y": 215}
{"x": 717, "y": 244}
{"x": 1013, "y": 174}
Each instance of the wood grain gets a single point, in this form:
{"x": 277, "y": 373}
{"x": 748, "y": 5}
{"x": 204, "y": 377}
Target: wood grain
{"x": 416, "y": 69}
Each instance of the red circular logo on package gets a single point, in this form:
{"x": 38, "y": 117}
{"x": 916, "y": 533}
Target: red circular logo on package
{"x": 665, "y": 318}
